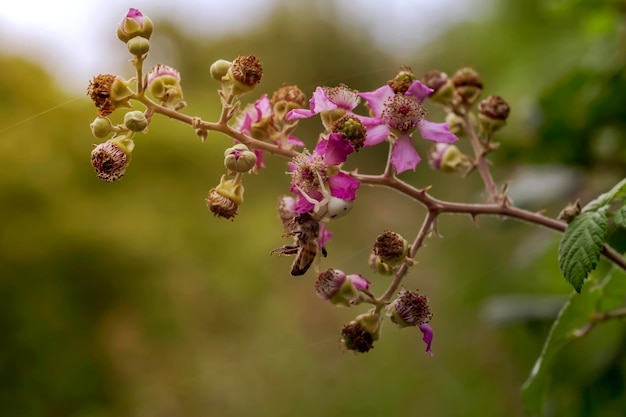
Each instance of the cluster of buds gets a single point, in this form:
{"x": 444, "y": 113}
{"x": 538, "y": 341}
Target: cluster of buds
{"x": 111, "y": 92}
{"x": 239, "y": 76}
{"x": 458, "y": 95}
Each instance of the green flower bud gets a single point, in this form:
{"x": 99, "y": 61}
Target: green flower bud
{"x": 138, "y": 46}
{"x": 133, "y": 24}
{"x": 164, "y": 84}
{"x": 101, "y": 127}
{"x": 135, "y": 121}
{"x": 446, "y": 158}
{"x": 219, "y": 69}
{"x": 239, "y": 158}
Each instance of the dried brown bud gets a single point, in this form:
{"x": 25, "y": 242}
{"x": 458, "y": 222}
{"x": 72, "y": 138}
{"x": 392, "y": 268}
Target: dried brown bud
{"x": 468, "y": 86}
{"x": 220, "y": 205}
{"x": 108, "y": 92}
{"x": 391, "y": 248}
{"x": 494, "y": 107}
{"x": 246, "y": 73}
{"x": 287, "y": 98}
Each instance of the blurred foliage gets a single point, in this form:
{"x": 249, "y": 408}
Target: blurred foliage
{"x": 130, "y": 299}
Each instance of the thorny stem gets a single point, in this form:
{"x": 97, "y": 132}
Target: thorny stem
{"x": 501, "y": 206}
{"x": 481, "y": 162}
{"x": 427, "y": 225}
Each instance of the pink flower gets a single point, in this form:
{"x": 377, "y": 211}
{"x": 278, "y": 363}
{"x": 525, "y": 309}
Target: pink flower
{"x": 257, "y": 120}
{"x": 400, "y": 115}
{"x": 327, "y": 99}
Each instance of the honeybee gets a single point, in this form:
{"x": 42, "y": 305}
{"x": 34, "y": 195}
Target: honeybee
{"x": 306, "y": 232}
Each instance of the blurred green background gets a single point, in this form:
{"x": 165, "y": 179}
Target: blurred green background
{"x": 131, "y": 299}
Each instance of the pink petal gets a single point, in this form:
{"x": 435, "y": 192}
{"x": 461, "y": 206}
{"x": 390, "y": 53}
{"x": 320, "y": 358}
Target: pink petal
{"x": 376, "y": 99}
{"x": 376, "y": 134}
{"x": 359, "y": 282}
{"x": 335, "y": 149}
{"x": 259, "y": 159}
{"x": 419, "y": 90}
{"x": 427, "y": 331}
{"x": 320, "y": 101}
{"x": 436, "y": 132}
{"x": 404, "y": 156}
{"x": 263, "y": 107}
{"x": 299, "y": 114}
{"x": 292, "y": 140}
{"x": 343, "y": 186}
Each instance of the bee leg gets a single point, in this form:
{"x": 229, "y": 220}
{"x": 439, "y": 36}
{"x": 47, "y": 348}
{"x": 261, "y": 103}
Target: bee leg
{"x": 285, "y": 250}
{"x": 324, "y": 252}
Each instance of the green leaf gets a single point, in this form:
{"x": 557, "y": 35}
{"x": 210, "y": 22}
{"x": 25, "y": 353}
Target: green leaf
{"x": 620, "y": 217}
{"x": 580, "y": 246}
{"x": 603, "y": 200}
{"x": 574, "y": 314}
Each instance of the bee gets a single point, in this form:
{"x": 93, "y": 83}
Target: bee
{"x": 306, "y": 232}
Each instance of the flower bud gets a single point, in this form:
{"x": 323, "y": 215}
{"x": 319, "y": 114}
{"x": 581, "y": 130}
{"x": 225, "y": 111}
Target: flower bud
{"x": 101, "y": 127}
{"x": 446, "y": 158}
{"x": 492, "y": 114}
{"x": 244, "y": 74}
{"x": 134, "y": 24}
{"x": 138, "y": 46}
{"x": 360, "y": 334}
{"x": 287, "y": 98}
{"x": 219, "y": 69}
{"x": 391, "y": 248}
{"x": 111, "y": 158}
{"x": 455, "y": 122}
{"x": 468, "y": 86}
{"x": 135, "y": 121}
{"x": 164, "y": 84}
{"x": 442, "y": 85}
{"x": 109, "y": 92}
{"x": 340, "y": 289}
{"x": 239, "y": 158}
{"x": 225, "y": 199}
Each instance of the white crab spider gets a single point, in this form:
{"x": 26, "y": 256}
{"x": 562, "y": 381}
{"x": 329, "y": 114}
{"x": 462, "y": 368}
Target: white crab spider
{"x": 328, "y": 207}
